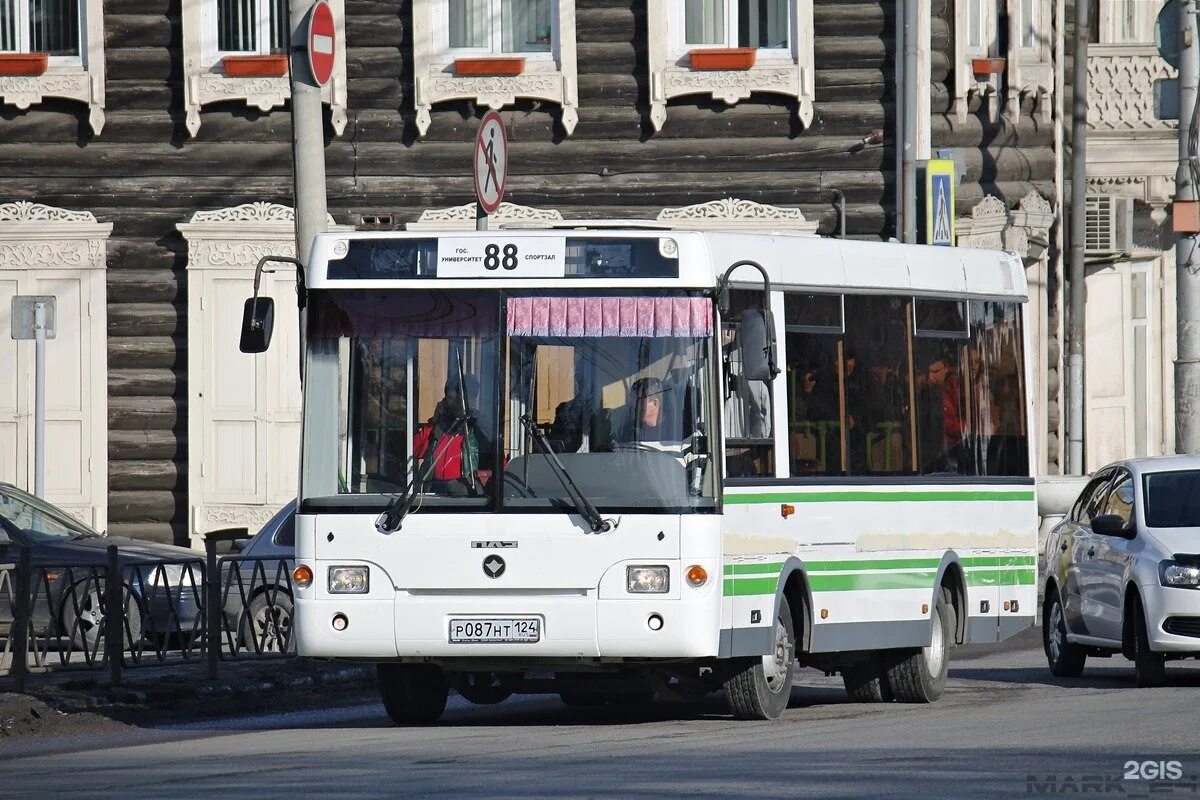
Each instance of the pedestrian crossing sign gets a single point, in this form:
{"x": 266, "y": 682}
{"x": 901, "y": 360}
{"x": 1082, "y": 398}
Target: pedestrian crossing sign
{"x": 939, "y": 202}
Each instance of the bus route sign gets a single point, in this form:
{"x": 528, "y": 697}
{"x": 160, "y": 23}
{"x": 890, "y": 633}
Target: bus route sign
{"x": 491, "y": 162}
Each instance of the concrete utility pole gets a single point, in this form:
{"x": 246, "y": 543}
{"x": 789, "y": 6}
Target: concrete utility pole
{"x": 1075, "y": 312}
{"x": 308, "y": 138}
{"x": 1187, "y": 260}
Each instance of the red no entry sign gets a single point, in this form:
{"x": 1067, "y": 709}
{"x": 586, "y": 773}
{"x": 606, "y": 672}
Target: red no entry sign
{"x": 491, "y": 162}
{"x": 321, "y": 42}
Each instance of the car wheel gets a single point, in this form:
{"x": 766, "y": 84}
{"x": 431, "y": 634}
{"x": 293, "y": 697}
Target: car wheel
{"x": 267, "y": 627}
{"x": 919, "y": 675}
{"x": 412, "y": 694}
{"x": 761, "y": 688}
{"x": 1065, "y": 659}
{"x": 1150, "y": 668}
{"x": 867, "y": 683}
{"x": 83, "y": 618}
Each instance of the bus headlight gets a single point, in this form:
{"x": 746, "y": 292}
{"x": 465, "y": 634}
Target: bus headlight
{"x": 349, "y": 580}
{"x": 647, "y": 580}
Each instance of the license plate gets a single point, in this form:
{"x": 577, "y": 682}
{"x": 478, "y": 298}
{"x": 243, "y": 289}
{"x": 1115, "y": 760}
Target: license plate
{"x": 503, "y": 629}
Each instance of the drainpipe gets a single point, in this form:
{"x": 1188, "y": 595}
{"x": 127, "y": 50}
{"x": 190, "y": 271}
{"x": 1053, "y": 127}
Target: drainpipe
{"x": 908, "y": 109}
{"x": 1075, "y": 311}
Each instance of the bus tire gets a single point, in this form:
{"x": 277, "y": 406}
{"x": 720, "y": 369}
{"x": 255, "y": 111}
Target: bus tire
{"x": 1065, "y": 659}
{"x": 761, "y": 688}
{"x": 867, "y": 682}
{"x": 582, "y": 699}
{"x": 918, "y": 675}
{"x": 412, "y": 694}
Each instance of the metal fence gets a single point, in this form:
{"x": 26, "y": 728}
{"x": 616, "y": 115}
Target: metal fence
{"x": 130, "y": 612}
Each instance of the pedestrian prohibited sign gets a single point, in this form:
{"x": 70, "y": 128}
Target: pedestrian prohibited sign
{"x": 491, "y": 162}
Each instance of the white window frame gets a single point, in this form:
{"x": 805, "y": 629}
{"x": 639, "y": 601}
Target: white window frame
{"x": 551, "y": 76}
{"x": 677, "y": 31}
{"x": 788, "y": 71}
{"x": 441, "y": 18}
{"x": 1110, "y": 22}
{"x": 41, "y": 246}
{"x": 210, "y": 39}
{"x": 204, "y": 81}
{"x": 1027, "y": 70}
{"x": 71, "y": 77}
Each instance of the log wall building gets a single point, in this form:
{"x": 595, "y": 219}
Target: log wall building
{"x": 145, "y": 173}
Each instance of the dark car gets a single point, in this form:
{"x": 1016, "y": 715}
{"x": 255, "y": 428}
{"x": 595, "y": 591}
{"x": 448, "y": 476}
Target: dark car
{"x": 162, "y": 584}
{"x": 257, "y": 586}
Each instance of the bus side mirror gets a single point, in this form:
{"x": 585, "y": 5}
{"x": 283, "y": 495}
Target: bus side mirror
{"x": 258, "y": 320}
{"x": 758, "y": 345}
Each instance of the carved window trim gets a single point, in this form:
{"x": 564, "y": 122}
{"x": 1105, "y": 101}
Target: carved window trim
{"x": 1028, "y": 70}
{"x": 1024, "y": 230}
{"x": 204, "y": 81}
{"x": 728, "y": 214}
{"x": 553, "y": 79}
{"x": 43, "y": 241}
{"x": 79, "y": 79}
{"x": 788, "y": 72}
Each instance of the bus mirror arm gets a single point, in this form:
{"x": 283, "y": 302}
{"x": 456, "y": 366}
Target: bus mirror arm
{"x": 757, "y": 332}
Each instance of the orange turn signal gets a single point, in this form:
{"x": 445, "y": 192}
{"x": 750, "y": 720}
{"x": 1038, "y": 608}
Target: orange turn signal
{"x": 787, "y": 509}
{"x": 697, "y": 576}
{"x": 302, "y": 576}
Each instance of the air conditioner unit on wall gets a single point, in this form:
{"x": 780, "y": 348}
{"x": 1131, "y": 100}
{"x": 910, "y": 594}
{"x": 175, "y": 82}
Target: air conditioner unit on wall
{"x": 1109, "y": 225}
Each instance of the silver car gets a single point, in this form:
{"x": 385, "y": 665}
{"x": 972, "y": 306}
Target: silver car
{"x": 1122, "y": 571}
{"x": 257, "y": 587}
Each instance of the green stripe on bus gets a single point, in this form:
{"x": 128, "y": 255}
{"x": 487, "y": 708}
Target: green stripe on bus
{"x": 878, "y": 497}
{"x": 881, "y": 564}
{"x": 1008, "y": 577}
{"x": 744, "y": 586}
{"x": 879, "y": 580}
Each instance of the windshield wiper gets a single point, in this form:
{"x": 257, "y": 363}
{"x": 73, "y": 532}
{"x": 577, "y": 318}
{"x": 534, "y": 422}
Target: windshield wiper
{"x": 393, "y": 515}
{"x": 584, "y": 506}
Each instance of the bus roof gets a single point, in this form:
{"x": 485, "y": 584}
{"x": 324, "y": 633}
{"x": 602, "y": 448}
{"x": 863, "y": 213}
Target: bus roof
{"x": 792, "y": 261}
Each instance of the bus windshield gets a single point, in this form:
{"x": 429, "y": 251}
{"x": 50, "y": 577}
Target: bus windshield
{"x": 483, "y": 400}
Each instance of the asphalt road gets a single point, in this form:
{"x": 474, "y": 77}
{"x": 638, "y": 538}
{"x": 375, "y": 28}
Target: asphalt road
{"x": 1004, "y": 729}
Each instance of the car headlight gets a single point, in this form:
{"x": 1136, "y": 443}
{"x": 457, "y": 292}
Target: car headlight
{"x": 349, "y": 580}
{"x": 169, "y": 575}
{"x": 647, "y": 580}
{"x": 1173, "y": 573}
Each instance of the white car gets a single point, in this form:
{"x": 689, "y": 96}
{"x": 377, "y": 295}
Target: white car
{"x": 1122, "y": 571}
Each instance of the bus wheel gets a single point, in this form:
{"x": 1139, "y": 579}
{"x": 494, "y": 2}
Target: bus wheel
{"x": 412, "y": 694}
{"x": 762, "y": 687}
{"x": 919, "y": 675}
{"x": 582, "y": 699}
{"x": 867, "y": 682}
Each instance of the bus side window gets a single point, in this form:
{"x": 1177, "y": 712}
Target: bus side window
{"x": 749, "y": 446}
{"x": 939, "y": 347}
{"x": 878, "y": 386}
{"x": 996, "y": 438}
{"x": 817, "y": 395}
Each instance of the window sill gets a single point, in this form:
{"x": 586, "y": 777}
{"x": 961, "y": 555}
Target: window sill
{"x": 712, "y": 59}
{"x": 255, "y": 66}
{"x": 540, "y": 78}
{"x": 255, "y": 80}
{"x": 71, "y": 82}
{"x": 489, "y": 66}
{"x": 774, "y": 72}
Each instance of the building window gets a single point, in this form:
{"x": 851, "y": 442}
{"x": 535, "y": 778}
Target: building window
{"x": 499, "y": 26}
{"x": 41, "y": 26}
{"x": 536, "y": 36}
{"x": 736, "y": 23}
{"x": 780, "y": 31}
{"x": 255, "y": 27}
{"x": 1017, "y": 31}
{"x": 1126, "y": 21}
{"x": 219, "y": 35}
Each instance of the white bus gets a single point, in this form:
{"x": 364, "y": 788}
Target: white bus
{"x": 609, "y": 463}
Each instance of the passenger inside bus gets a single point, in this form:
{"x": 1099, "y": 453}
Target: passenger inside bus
{"x": 454, "y": 441}
{"x": 941, "y": 421}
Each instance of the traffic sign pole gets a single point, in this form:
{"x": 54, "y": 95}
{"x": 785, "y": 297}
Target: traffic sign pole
{"x": 1187, "y": 259}
{"x": 39, "y": 400}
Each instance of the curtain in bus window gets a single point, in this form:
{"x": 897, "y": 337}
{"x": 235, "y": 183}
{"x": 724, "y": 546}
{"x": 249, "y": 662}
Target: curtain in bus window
{"x": 627, "y": 317}
{"x": 817, "y": 391}
{"x": 878, "y": 386}
{"x": 939, "y": 345}
{"x": 996, "y": 441}
{"x": 526, "y": 26}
